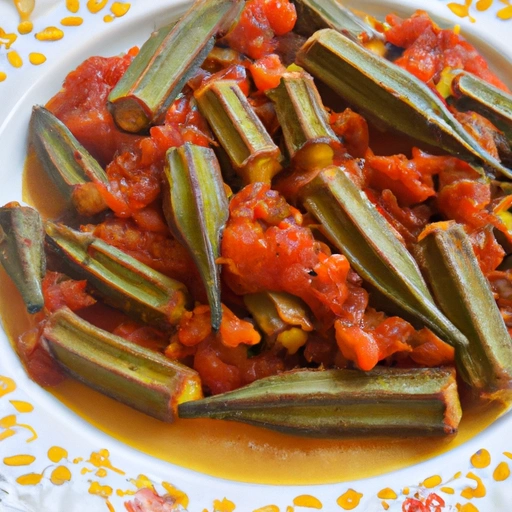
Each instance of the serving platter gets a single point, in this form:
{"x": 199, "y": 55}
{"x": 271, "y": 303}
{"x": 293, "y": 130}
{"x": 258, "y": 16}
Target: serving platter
{"x": 54, "y": 456}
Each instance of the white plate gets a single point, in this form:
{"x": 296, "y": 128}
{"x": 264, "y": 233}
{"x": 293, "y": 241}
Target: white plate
{"x": 79, "y": 467}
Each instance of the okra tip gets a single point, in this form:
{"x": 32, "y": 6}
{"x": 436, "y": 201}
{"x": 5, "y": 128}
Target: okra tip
{"x": 129, "y": 115}
{"x": 22, "y": 253}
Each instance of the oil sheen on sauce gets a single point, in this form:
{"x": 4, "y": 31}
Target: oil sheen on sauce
{"x": 227, "y": 449}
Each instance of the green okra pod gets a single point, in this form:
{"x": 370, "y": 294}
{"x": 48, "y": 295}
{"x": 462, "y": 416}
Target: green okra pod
{"x": 158, "y": 74}
{"x": 67, "y": 162}
{"x": 309, "y": 139}
{"x": 463, "y": 293}
{"x": 22, "y": 252}
{"x": 340, "y": 403}
{"x": 121, "y": 280}
{"x": 136, "y": 376}
{"x": 196, "y": 209}
{"x": 313, "y": 15}
{"x": 473, "y": 93}
{"x": 283, "y": 318}
{"x": 251, "y": 150}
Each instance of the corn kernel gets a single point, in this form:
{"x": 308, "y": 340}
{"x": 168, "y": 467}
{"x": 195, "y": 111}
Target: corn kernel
{"x": 315, "y": 156}
{"x": 292, "y": 339}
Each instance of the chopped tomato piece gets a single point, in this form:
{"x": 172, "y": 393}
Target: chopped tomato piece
{"x": 435, "y": 502}
{"x": 265, "y": 247}
{"x": 281, "y": 15}
{"x": 409, "y": 181}
{"x": 132, "y": 186}
{"x": 41, "y": 367}
{"x": 429, "y": 49}
{"x": 357, "y": 345}
{"x": 59, "y": 291}
{"x": 374, "y": 340}
{"x": 465, "y": 201}
{"x": 196, "y": 327}
{"x": 414, "y": 505}
{"x": 501, "y": 285}
{"x": 216, "y": 375}
{"x": 488, "y": 251}
{"x": 267, "y": 72}
{"x": 151, "y": 219}
{"x": 352, "y": 129}
{"x": 429, "y": 350}
{"x": 253, "y": 34}
{"x": 408, "y": 222}
{"x": 225, "y": 368}
{"x": 82, "y": 106}
{"x": 259, "y": 22}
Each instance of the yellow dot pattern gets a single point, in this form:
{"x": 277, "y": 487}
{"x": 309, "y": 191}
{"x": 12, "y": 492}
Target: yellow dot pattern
{"x": 387, "y": 494}
{"x": 432, "y": 482}
{"x": 308, "y": 501}
{"x": 71, "y": 21}
{"x": 25, "y": 27}
{"x": 73, "y": 6}
{"x": 349, "y": 500}
{"x": 14, "y": 59}
{"x": 502, "y": 472}
{"x": 60, "y": 475}
{"x": 36, "y": 58}
{"x": 56, "y": 454}
{"x": 50, "y": 34}
{"x": 19, "y": 460}
{"x": 481, "y": 459}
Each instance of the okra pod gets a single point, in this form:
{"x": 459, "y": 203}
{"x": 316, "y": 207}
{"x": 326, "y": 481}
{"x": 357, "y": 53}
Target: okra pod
{"x": 340, "y": 403}
{"x": 67, "y": 162}
{"x": 251, "y": 150}
{"x": 313, "y": 15}
{"x": 121, "y": 280}
{"x": 473, "y": 93}
{"x": 309, "y": 139}
{"x": 282, "y": 317}
{"x": 136, "y": 376}
{"x": 196, "y": 209}
{"x": 463, "y": 293}
{"x": 163, "y": 67}
{"x": 22, "y": 252}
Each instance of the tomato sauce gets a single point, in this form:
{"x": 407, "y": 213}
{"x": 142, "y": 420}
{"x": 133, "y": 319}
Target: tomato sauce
{"x": 430, "y": 49}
